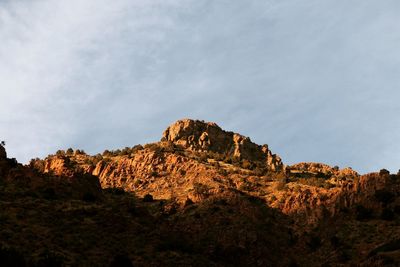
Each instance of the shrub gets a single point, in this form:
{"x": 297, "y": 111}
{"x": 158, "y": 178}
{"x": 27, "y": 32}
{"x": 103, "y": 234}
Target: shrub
{"x": 363, "y": 213}
{"x": 60, "y": 153}
{"x": 188, "y": 202}
{"x": 280, "y": 185}
{"x": 89, "y": 197}
{"x": 49, "y": 193}
{"x": 80, "y": 152}
{"x": 148, "y": 198}
{"x": 201, "y": 189}
{"x": 203, "y": 158}
{"x": 107, "y": 153}
{"x": 115, "y": 190}
{"x": 314, "y": 243}
{"x": 387, "y": 214}
{"x": 384, "y": 196}
{"x": 335, "y": 242}
{"x": 384, "y": 172}
{"x": 247, "y": 164}
{"x": 37, "y": 164}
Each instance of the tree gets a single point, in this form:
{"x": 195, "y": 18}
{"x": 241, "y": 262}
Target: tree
{"x": 384, "y": 172}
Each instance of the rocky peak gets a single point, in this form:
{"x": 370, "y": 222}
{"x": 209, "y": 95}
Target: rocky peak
{"x": 203, "y": 136}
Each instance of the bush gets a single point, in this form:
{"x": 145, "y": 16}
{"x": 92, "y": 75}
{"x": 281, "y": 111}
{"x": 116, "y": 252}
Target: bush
{"x": 363, "y": 213}
{"x": 280, "y": 185}
{"x": 49, "y": 193}
{"x": 384, "y": 196}
{"x": 384, "y": 172}
{"x": 60, "y": 153}
{"x": 148, "y": 198}
{"x": 247, "y": 164}
{"x": 107, "y": 153}
{"x": 89, "y": 197}
{"x": 314, "y": 243}
{"x": 188, "y": 202}
{"x": 387, "y": 215}
{"x": 115, "y": 190}
{"x": 201, "y": 189}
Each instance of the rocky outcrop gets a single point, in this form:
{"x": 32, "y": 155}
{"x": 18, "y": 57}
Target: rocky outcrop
{"x": 203, "y": 136}
{"x": 173, "y": 169}
{"x": 3, "y": 153}
{"x": 321, "y": 168}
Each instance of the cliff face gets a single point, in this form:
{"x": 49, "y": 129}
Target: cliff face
{"x": 209, "y": 137}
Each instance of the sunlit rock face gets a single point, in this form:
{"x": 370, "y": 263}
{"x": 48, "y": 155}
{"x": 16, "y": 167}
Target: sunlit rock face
{"x": 209, "y": 137}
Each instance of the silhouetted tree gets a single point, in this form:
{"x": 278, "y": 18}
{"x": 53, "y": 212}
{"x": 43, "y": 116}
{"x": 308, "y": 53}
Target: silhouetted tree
{"x": 148, "y": 198}
{"x": 384, "y": 172}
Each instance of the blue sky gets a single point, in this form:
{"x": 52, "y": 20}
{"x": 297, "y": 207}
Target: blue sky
{"x": 316, "y": 80}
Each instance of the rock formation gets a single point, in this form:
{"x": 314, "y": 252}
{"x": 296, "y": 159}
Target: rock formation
{"x": 3, "y": 154}
{"x": 215, "y": 195}
{"x": 209, "y": 137}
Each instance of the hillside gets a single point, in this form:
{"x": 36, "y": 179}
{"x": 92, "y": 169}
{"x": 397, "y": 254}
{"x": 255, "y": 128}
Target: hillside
{"x": 201, "y": 196}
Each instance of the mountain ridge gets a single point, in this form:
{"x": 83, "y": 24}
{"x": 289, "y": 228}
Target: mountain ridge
{"x": 209, "y": 197}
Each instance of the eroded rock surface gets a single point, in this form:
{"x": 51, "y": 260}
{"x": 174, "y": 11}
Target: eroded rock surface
{"x": 208, "y": 136}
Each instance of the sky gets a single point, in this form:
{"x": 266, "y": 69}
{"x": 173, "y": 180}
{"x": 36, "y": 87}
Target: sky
{"x": 316, "y": 80}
